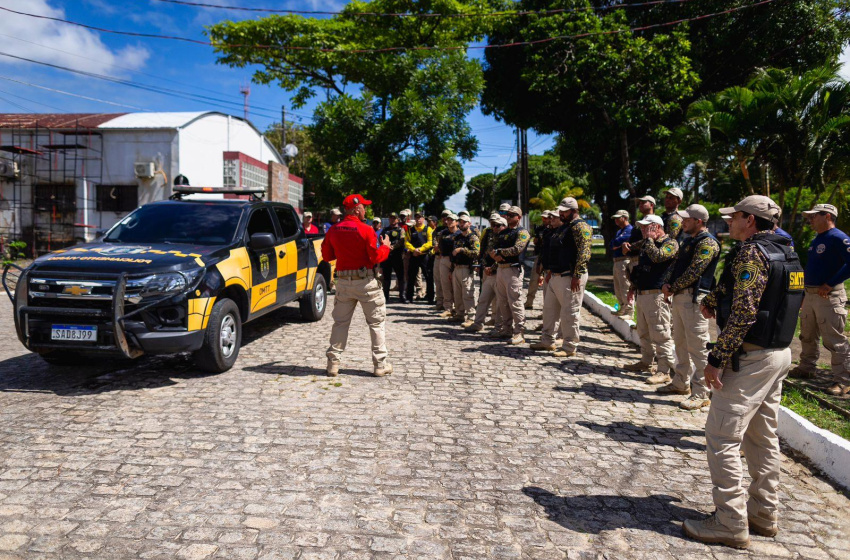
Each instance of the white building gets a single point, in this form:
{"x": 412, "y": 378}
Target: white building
{"x": 65, "y": 176}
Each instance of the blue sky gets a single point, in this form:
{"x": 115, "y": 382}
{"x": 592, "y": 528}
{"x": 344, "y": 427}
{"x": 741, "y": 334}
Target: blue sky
{"x": 166, "y": 64}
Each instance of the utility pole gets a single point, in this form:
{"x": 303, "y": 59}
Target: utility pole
{"x": 282, "y": 127}
{"x": 518, "y": 168}
{"x": 525, "y": 186}
{"x": 493, "y": 191}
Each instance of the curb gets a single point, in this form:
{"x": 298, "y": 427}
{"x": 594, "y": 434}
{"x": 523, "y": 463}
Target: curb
{"x": 827, "y": 451}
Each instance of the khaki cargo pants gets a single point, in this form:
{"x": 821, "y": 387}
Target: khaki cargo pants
{"x": 561, "y": 302}
{"x": 487, "y": 299}
{"x": 446, "y": 283}
{"x": 690, "y": 336}
{"x": 744, "y": 414}
{"x": 825, "y": 318}
{"x": 438, "y": 285}
{"x": 463, "y": 287}
{"x": 653, "y": 327}
{"x": 622, "y": 285}
{"x": 533, "y": 280}
{"x": 368, "y": 292}
{"x": 509, "y": 300}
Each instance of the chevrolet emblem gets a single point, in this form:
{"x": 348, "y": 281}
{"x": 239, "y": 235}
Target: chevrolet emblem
{"x": 75, "y": 290}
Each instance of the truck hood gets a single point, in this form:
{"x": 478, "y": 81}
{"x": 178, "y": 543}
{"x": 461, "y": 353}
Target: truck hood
{"x": 118, "y": 257}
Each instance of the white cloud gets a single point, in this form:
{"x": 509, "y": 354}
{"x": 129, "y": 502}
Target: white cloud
{"x": 61, "y": 44}
{"x": 457, "y": 201}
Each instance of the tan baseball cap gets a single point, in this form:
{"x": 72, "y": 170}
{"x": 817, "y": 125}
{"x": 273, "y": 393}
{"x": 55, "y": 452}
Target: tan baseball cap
{"x": 336, "y": 212}
{"x": 308, "y": 214}
{"x": 445, "y": 213}
{"x": 501, "y": 221}
{"x": 504, "y": 207}
{"x": 568, "y": 203}
{"x": 494, "y": 216}
{"x": 675, "y": 191}
{"x": 405, "y": 212}
{"x": 515, "y": 210}
{"x": 757, "y": 205}
{"x": 647, "y": 198}
{"x": 451, "y": 216}
{"x": 651, "y": 219}
{"x": 822, "y": 208}
{"x": 621, "y": 214}
{"x": 696, "y": 211}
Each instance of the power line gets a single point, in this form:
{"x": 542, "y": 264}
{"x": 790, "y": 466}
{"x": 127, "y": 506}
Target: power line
{"x": 393, "y": 49}
{"x": 69, "y": 93}
{"x": 503, "y": 13}
{"x": 31, "y": 100}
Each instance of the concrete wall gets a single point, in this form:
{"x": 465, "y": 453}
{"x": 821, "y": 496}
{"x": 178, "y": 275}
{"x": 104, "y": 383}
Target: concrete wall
{"x": 203, "y": 142}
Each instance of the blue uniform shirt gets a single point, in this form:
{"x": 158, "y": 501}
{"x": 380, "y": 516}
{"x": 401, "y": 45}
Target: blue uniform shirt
{"x": 829, "y": 259}
{"x": 783, "y": 233}
{"x": 622, "y": 236}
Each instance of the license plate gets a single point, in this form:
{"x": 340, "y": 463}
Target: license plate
{"x": 79, "y": 333}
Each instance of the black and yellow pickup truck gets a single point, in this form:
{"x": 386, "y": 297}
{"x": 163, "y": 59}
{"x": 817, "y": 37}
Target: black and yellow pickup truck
{"x": 174, "y": 276}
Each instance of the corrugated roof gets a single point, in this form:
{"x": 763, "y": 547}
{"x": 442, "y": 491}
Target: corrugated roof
{"x": 55, "y": 120}
{"x": 155, "y": 120}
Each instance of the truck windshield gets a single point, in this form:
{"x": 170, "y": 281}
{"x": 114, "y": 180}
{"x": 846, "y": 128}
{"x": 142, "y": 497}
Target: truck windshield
{"x": 193, "y": 224}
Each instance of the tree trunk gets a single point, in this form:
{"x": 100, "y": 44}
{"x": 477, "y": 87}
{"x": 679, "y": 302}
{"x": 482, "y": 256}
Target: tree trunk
{"x": 833, "y": 193}
{"x": 696, "y": 184}
{"x": 793, "y": 218}
{"x": 625, "y": 163}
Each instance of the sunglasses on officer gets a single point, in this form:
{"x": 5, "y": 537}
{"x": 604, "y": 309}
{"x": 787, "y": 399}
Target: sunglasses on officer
{"x": 511, "y": 214}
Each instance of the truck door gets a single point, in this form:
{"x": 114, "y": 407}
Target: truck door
{"x": 292, "y": 255}
{"x": 264, "y": 264}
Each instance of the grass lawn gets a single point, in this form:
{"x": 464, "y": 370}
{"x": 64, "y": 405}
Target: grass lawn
{"x": 814, "y": 412}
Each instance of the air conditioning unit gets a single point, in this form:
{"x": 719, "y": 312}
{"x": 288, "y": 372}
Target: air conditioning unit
{"x": 144, "y": 169}
{"x": 9, "y": 169}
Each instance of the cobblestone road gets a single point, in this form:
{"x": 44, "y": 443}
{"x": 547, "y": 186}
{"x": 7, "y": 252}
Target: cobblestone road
{"x": 470, "y": 450}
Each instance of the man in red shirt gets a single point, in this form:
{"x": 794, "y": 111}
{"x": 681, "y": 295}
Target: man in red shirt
{"x": 309, "y": 227}
{"x": 353, "y": 245}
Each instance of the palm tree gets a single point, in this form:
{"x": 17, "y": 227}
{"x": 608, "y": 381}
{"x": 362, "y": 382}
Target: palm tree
{"x": 549, "y": 197}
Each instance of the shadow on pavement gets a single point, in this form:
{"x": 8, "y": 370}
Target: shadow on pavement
{"x": 280, "y": 368}
{"x": 595, "y": 513}
{"x": 627, "y": 432}
{"x": 29, "y": 373}
{"x": 615, "y": 394}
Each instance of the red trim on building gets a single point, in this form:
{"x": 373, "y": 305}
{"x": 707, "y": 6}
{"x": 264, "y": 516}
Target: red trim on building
{"x": 244, "y": 158}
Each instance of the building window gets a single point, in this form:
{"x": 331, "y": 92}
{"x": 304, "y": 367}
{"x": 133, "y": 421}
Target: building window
{"x": 296, "y": 193}
{"x": 231, "y": 173}
{"x": 117, "y": 198}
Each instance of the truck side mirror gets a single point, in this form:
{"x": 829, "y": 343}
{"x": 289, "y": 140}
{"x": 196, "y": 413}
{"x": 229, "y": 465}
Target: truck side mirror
{"x": 262, "y": 241}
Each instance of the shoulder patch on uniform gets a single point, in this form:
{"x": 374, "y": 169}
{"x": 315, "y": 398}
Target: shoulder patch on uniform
{"x": 668, "y": 248}
{"x": 705, "y": 252}
{"x": 586, "y": 234}
{"x": 523, "y": 235}
{"x": 747, "y": 275}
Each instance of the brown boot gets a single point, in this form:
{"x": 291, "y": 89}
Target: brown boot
{"x": 384, "y": 369}
{"x": 659, "y": 378}
{"x": 639, "y": 367}
{"x": 563, "y": 353}
{"x": 763, "y": 525}
{"x": 694, "y": 403}
{"x": 711, "y": 531}
{"x": 839, "y": 390}
{"x": 800, "y": 372}
{"x": 671, "y": 389}
{"x": 543, "y": 346}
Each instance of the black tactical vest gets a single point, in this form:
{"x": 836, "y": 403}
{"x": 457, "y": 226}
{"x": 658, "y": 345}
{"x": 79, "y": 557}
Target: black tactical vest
{"x": 554, "y": 244}
{"x": 506, "y": 239}
{"x": 464, "y": 242}
{"x": 570, "y": 247}
{"x": 780, "y": 303}
{"x": 396, "y": 235}
{"x": 446, "y": 243}
{"x": 686, "y": 255}
{"x": 544, "y": 251}
{"x": 648, "y": 275}
{"x": 485, "y": 246}
{"x": 418, "y": 238}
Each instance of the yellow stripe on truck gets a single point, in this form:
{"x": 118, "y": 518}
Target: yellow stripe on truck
{"x": 198, "y": 315}
{"x": 236, "y": 269}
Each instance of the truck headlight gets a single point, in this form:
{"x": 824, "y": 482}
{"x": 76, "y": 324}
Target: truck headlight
{"x": 163, "y": 283}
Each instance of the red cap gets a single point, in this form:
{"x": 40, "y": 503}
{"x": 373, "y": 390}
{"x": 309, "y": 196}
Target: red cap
{"x": 353, "y": 200}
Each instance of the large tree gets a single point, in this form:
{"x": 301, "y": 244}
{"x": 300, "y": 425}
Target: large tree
{"x": 390, "y": 122}
{"x": 614, "y": 96}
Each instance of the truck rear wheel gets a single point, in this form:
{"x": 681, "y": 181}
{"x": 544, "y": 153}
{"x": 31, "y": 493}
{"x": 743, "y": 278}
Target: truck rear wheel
{"x": 222, "y": 338}
{"x": 313, "y": 305}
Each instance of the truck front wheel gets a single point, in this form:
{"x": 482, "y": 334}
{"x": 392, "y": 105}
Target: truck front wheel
{"x": 222, "y": 339}
{"x": 314, "y": 303}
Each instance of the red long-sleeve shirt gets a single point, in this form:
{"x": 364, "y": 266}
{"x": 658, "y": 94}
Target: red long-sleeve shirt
{"x": 353, "y": 245}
